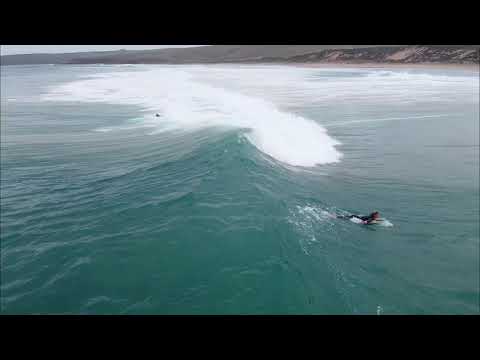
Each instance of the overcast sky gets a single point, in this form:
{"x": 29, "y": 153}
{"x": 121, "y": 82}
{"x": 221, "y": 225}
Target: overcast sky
{"x": 30, "y": 49}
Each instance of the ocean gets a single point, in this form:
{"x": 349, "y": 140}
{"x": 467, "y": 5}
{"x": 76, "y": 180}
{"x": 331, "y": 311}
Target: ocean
{"x": 213, "y": 189}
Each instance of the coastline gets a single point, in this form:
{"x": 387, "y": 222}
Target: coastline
{"x": 471, "y": 67}
{"x": 378, "y": 65}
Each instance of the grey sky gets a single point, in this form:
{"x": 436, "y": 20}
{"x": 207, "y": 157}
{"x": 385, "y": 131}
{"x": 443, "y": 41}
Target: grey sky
{"x": 31, "y": 49}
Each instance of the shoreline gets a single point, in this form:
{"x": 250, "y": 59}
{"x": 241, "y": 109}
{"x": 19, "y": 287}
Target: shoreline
{"x": 472, "y": 67}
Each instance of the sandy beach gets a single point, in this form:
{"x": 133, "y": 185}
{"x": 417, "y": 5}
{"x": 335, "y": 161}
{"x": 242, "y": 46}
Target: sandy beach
{"x": 471, "y": 67}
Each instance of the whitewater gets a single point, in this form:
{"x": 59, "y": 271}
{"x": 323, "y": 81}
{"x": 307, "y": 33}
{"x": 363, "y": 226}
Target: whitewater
{"x": 194, "y": 97}
{"x": 186, "y": 104}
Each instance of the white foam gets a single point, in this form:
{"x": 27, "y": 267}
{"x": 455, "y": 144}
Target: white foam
{"x": 103, "y": 129}
{"x": 385, "y": 223}
{"x": 263, "y": 99}
{"x": 188, "y": 104}
{"x": 296, "y": 86}
{"x": 125, "y": 128}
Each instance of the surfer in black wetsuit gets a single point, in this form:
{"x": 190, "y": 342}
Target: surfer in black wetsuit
{"x": 367, "y": 220}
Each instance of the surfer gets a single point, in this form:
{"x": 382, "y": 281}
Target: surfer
{"x": 157, "y": 115}
{"x": 373, "y": 218}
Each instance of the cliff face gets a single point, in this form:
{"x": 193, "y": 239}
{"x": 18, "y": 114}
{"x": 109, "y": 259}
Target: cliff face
{"x": 404, "y": 55}
{"x": 468, "y": 54}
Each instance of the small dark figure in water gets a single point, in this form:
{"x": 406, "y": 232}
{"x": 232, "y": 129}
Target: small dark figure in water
{"x": 157, "y": 115}
{"x": 367, "y": 220}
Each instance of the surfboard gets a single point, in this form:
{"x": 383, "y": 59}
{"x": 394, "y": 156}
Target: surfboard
{"x": 378, "y": 222}
{"x": 360, "y": 221}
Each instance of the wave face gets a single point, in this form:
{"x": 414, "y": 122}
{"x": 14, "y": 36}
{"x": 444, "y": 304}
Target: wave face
{"x": 186, "y": 103}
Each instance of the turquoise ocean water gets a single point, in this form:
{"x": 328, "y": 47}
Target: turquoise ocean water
{"x": 222, "y": 203}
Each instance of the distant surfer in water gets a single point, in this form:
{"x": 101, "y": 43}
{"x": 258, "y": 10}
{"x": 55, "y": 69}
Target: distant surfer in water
{"x": 373, "y": 218}
{"x": 157, "y": 115}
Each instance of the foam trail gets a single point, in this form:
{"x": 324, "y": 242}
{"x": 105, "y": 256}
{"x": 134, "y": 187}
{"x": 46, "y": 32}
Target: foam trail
{"x": 385, "y": 119}
{"x": 122, "y": 128}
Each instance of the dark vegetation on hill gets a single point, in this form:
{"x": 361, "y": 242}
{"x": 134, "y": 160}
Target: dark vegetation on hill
{"x": 454, "y": 54}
